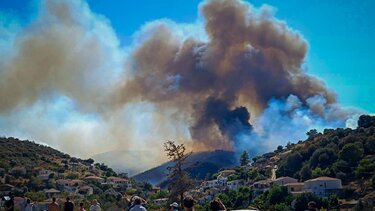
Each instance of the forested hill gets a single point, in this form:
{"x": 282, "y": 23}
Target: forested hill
{"x": 31, "y": 156}
{"x": 348, "y": 154}
{"x": 13, "y": 147}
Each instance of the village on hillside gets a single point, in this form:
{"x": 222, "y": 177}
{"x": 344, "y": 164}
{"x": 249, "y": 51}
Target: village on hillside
{"x": 118, "y": 187}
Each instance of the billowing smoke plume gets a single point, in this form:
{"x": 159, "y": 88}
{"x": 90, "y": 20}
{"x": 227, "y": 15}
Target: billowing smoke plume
{"x": 249, "y": 59}
{"x": 65, "y": 80}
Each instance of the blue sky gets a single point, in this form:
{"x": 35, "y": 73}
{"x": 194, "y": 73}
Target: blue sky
{"x": 340, "y": 35}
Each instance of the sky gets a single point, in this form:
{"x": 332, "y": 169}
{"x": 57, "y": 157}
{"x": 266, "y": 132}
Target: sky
{"x": 340, "y": 34}
{"x": 341, "y": 53}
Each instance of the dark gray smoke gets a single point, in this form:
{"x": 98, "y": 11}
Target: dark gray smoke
{"x": 217, "y": 113}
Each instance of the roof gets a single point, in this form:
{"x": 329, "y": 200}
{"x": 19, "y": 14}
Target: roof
{"x": 94, "y": 177}
{"x": 280, "y": 178}
{"x": 322, "y": 179}
{"x": 295, "y": 184}
{"x": 52, "y": 190}
{"x": 85, "y": 187}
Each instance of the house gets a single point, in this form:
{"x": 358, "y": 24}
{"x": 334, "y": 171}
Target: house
{"x": 284, "y": 180}
{"x": 18, "y": 171}
{"x": 86, "y": 190}
{"x": 226, "y": 173}
{"x": 118, "y": 182}
{"x": 295, "y": 188}
{"x": 51, "y": 192}
{"x": 155, "y": 189}
{"x": 210, "y": 184}
{"x": 70, "y": 186}
{"x": 222, "y": 181}
{"x": 76, "y": 182}
{"x": 234, "y": 184}
{"x": 94, "y": 179}
{"x": 323, "y": 186}
{"x": 260, "y": 186}
{"x": 45, "y": 174}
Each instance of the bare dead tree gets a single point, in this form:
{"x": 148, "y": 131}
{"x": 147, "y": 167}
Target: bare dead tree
{"x": 180, "y": 179}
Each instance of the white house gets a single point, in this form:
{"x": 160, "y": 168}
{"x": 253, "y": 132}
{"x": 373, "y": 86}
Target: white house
{"x": 284, "y": 180}
{"x": 118, "y": 182}
{"x": 323, "y": 186}
{"x": 70, "y": 186}
{"x": 234, "y": 184}
{"x": 210, "y": 184}
{"x": 222, "y": 181}
{"x": 295, "y": 188}
{"x": 260, "y": 186}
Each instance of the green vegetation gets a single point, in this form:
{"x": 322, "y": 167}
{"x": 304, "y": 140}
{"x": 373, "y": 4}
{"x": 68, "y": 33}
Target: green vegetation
{"x": 343, "y": 153}
{"x": 244, "y": 160}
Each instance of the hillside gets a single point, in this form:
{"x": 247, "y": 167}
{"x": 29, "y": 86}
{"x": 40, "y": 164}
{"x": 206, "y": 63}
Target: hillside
{"x": 348, "y": 154}
{"x": 33, "y": 156}
{"x": 32, "y": 170}
{"x": 14, "y": 152}
{"x": 334, "y": 168}
{"x": 200, "y": 164}
{"x": 343, "y": 153}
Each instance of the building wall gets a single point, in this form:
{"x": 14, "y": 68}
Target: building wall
{"x": 322, "y": 187}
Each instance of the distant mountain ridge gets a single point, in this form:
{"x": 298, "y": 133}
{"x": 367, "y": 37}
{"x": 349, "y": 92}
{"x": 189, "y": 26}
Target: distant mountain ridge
{"x": 200, "y": 164}
{"x": 124, "y": 161}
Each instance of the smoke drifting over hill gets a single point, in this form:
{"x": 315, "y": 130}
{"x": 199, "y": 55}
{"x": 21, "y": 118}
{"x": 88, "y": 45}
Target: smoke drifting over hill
{"x": 67, "y": 66}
